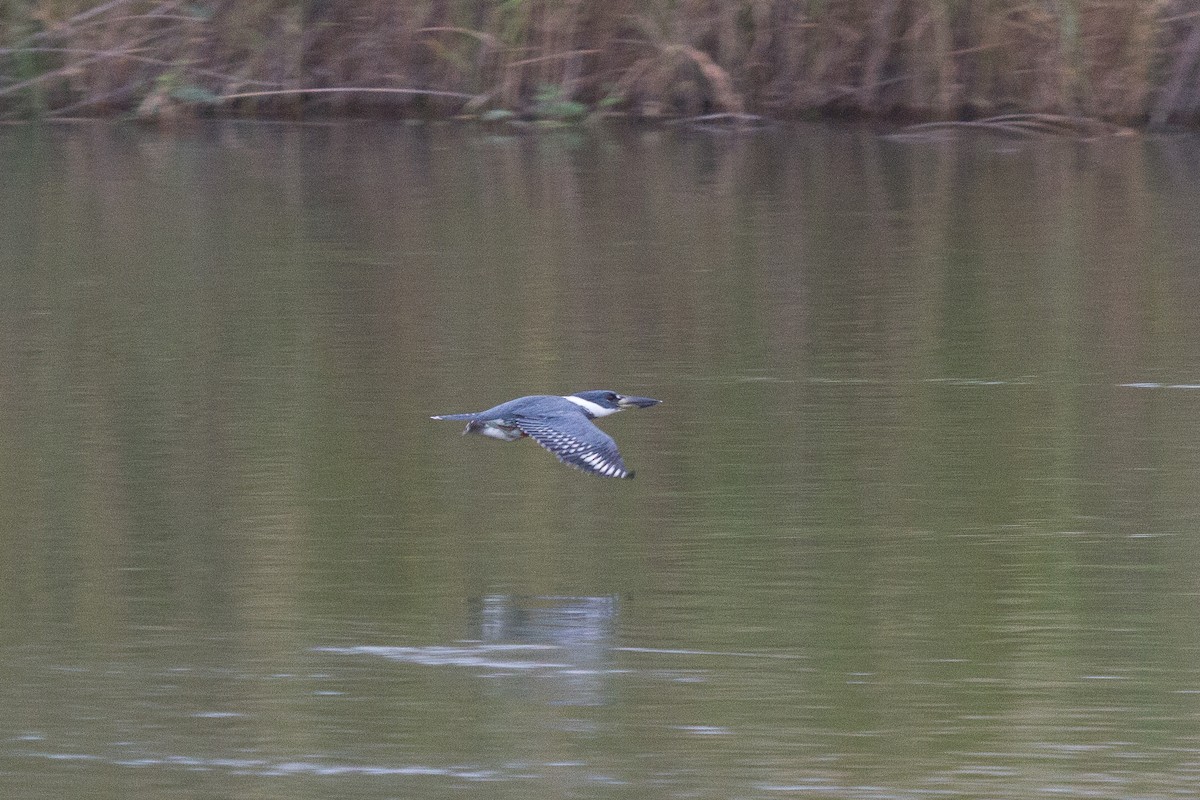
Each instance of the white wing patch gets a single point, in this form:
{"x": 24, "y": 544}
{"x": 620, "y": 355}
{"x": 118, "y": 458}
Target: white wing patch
{"x": 587, "y": 448}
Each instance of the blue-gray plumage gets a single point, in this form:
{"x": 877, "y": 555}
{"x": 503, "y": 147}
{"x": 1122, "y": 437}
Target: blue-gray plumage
{"x": 562, "y": 425}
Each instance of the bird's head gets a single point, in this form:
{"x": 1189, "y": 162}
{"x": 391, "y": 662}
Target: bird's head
{"x": 602, "y": 402}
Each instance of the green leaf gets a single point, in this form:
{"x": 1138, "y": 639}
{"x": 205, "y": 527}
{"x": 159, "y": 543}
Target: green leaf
{"x": 497, "y": 115}
{"x": 192, "y": 94}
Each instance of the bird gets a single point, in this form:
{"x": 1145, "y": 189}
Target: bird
{"x": 562, "y": 425}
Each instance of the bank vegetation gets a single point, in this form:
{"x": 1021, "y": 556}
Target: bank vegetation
{"x": 1127, "y": 61}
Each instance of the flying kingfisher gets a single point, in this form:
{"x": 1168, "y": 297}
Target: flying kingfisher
{"x": 562, "y": 425}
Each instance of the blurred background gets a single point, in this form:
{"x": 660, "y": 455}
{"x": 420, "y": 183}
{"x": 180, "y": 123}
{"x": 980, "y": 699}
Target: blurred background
{"x": 559, "y": 59}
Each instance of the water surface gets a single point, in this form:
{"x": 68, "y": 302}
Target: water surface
{"x": 917, "y": 516}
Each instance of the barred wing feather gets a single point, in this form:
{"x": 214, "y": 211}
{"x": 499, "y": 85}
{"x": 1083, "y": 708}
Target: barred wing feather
{"x": 574, "y": 440}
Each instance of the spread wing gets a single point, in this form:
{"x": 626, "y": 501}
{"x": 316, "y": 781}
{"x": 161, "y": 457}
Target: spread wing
{"x": 574, "y": 440}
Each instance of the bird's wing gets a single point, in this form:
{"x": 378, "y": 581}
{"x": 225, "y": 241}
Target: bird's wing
{"x": 574, "y": 440}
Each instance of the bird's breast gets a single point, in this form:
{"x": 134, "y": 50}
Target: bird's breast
{"x": 494, "y": 429}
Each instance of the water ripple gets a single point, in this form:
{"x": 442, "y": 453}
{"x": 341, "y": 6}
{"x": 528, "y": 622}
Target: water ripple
{"x": 279, "y": 768}
{"x": 442, "y": 656}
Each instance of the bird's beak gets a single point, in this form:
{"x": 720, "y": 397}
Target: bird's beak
{"x": 637, "y": 402}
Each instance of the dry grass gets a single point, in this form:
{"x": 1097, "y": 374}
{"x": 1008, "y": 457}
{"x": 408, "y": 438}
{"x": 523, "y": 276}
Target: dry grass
{"x": 1117, "y": 60}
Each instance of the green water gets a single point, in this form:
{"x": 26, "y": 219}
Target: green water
{"x": 917, "y": 517}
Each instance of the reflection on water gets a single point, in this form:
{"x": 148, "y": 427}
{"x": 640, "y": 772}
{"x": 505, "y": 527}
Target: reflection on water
{"x": 555, "y": 650}
{"x": 580, "y": 628}
{"x": 919, "y": 516}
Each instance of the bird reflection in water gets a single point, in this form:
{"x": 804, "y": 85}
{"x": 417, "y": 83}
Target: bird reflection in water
{"x": 575, "y": 632}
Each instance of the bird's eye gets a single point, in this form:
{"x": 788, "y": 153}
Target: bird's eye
{"x": 613, "y": 397}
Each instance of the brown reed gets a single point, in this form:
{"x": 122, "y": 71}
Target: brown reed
{"x": 1116, "y": 60}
